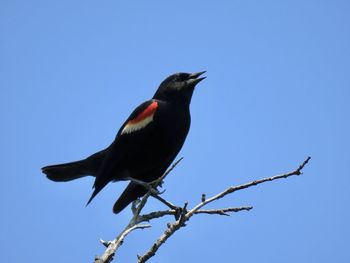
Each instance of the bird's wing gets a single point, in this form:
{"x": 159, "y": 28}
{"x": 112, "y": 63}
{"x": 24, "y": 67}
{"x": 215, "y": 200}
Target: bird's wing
{"x": 135, "y": 131}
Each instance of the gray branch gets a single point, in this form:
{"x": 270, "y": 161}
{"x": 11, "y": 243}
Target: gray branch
{"x": 172, "y": 228}
{"x": 181, "y": 214}
{"x": 112, "y": 246}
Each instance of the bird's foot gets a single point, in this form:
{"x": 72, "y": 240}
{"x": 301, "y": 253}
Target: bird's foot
{"x": 149, "y": 186}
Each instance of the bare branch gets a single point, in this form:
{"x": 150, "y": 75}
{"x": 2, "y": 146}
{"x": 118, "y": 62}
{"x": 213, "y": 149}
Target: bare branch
{"x": 167, "y": 233}
{"x": 247, "y": 185}
{"x": 112, "y": 246}
{"x": 182, "y": 214}
{"x": 185, "y": 216}
{"x": 224, "y": 211}
{"x": 156, "y": 214}
{"x": 167, "y": 203}
{"x": 159, "y": 180}
{"x": 221, "y": 211}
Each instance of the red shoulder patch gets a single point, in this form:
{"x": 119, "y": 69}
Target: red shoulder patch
{"x": 141, "y": 120}
{"x": 150, "y": 110}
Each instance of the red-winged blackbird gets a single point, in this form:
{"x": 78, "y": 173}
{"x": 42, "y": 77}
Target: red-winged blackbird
{"x": 146, "y": 144}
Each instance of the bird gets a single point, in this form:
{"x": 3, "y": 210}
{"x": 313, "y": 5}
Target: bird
{"x": 145, "y": 145}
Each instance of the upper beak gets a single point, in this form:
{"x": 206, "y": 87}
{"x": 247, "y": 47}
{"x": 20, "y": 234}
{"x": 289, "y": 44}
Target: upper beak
{"x": 193, "y": 79}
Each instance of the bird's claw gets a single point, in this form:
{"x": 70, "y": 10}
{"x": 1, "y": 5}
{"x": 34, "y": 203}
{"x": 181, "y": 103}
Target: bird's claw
{"x": 149, "y": 186}
{"x": 155, "y": 191}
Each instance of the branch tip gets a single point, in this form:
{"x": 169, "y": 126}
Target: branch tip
{"x": 105, "y": 243}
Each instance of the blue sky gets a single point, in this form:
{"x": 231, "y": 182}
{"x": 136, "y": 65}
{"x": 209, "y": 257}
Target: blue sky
{"x": 277, "y": 91}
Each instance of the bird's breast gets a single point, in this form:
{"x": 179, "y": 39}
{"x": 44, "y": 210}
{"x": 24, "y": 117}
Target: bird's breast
{"x": 174, "y": 124}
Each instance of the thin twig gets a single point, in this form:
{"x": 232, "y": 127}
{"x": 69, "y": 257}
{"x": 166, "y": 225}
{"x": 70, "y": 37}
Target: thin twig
{"x": 224, "y": 211}
{"x": 253, "y": 183}
{"x": 159, "y": 180}
{"x": 221, "y": 211}
{"x": 166, "y": 202}
{"x": 156, "y": 214}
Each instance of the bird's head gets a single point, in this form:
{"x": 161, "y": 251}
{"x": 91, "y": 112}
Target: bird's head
{"x": 178, "y": 87}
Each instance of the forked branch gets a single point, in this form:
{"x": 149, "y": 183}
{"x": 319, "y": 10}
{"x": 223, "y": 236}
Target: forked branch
{"x": 181, "y": 213}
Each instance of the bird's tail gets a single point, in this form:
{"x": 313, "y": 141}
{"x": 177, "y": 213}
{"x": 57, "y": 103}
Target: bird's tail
{"x": 66, "y": 171}
{"x": 130, "y": 194}
{"x": 74, "y": 170}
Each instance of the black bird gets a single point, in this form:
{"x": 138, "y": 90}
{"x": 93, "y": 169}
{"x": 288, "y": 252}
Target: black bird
{"x": 145, "y": 145}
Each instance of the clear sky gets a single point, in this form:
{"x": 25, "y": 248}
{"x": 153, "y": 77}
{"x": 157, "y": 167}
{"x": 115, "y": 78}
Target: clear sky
{"x": 277, "y": 91}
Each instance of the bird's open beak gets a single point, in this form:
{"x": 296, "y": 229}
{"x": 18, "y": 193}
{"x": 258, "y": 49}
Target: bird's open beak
{"x": 193, "y": 79}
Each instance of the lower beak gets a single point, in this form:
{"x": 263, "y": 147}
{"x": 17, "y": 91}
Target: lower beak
{"x": 194, "y": 77}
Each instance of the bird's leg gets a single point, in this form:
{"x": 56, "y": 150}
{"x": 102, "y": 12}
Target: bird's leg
{"x": 134, "y": 205}
{"x": 148, "y": 186}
